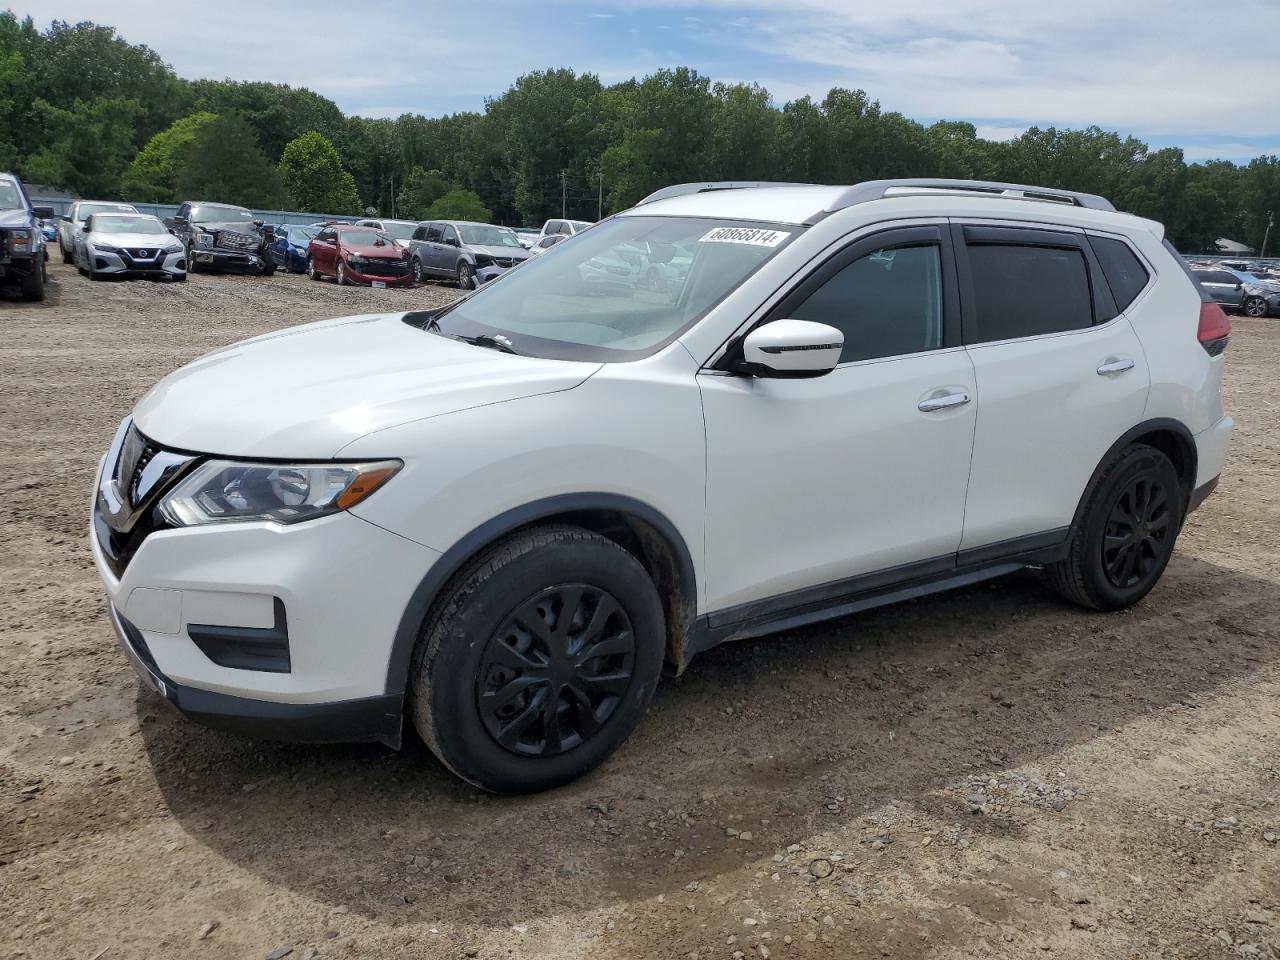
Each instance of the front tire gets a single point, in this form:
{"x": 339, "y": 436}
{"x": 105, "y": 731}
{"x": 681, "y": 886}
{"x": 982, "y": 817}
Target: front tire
{"x": 33, "y": 283}
{"x": 342, "y": 274}
{"x": 1255, "y": 307}
{"x": 466, "y": 276}
{"x": 1126, "y": 533}
{"x": 417, "y": 271}
{"x": 311, "y": 268}
{"x": 538, "y": 660}
{"x": 66, "y": 257}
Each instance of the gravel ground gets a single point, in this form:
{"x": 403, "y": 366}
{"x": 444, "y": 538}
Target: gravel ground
{"x": 988, "y": 773}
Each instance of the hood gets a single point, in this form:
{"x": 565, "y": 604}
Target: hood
{"x": 391, "y": 251}
{"x": 308, "y": 391}
{"x": 148, "y": 240}
{"x": 15, "y": 218}
{"x": 498, "y": 250}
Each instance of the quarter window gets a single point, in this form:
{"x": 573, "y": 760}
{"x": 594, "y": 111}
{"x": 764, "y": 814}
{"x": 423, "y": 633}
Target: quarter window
{"x": 887, "y": 303}
{"x": 1026, "y": 291}
{"x": 1126, "y": 276}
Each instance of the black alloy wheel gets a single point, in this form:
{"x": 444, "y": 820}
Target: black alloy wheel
{"x": 1124, "y": 533}
{"x": 556, "y": 670}
{"x": 1138, "y": 527}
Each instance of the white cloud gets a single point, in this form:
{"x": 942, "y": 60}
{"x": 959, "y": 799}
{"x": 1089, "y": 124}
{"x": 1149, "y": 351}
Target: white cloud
{"x": 1153, "y": 68}
{"x": 1228, "y": 151}
{"x": 996, "y": 132}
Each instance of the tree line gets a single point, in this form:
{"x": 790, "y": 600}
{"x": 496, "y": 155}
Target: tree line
{"x": 83, "y": 109}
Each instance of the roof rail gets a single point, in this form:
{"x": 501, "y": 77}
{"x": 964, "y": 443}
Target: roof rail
{"x": 682, "y": 189}
{"x": 879, "y": 189}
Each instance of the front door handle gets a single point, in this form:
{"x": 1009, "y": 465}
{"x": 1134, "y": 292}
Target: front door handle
{"x": 1115, "y": 365}
{"x": 944, "y": 402}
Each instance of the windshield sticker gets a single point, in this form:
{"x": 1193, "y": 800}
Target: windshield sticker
{"x": 750, "y": 235}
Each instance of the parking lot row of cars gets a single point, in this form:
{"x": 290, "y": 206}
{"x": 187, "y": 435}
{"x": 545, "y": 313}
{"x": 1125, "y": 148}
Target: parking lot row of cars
{"x": 107, "y": 238}
{"x": 1250, "y": 288}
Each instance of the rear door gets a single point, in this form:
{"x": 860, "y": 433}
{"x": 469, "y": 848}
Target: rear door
{"x": 1060, "y": 374}
{"x": 432, "y": 252}
{"x": 323, "y": 250}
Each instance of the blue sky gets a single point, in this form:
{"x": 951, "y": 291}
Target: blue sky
{"x": 1168, "y": 71}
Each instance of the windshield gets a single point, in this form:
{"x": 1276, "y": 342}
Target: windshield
{"x": 105, "y": 223}
{"x": 620, "y": 291}
{"x": 363, "y": 238}
{"x": 10, "y": 198}
{"x": 401, "y": 231}
{"x": 579, "y": 224}
{"x": 86, "y": 210}
{"x": 301, "y": 236}
{"x": 480, "y": 235}
{"x": 212, "y": 213}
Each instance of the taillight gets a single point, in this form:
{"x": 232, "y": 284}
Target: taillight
{"x": 1215, "y": 328}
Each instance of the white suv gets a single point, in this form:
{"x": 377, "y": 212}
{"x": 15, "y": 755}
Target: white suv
{"x": 503, "y": 516}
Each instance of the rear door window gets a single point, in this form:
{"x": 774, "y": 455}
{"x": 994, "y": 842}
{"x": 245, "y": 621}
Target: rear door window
{"x": 1025, "y": 289}
{"x": 433, "y": 233}
{"x": 1126, "y": 276}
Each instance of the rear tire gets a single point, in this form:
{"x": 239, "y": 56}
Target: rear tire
{"x": 1254, "y": 307}
{"x": 556, "y": 634}
{"x": 1126, "y": 534}
{"x": 66, "y": 257}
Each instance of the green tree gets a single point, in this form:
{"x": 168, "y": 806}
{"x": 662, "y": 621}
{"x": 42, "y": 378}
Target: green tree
{"x": 459, "y": 205}
{"x": 314, "y": 177}
{"x": 421, "y": 189}
{"x": 153, "y": 174}
{"x": 223, "y": 163}
{"x": 87, "y": 146}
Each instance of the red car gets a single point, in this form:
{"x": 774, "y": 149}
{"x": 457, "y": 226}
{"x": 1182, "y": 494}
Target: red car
{"x": 358, "y": 255}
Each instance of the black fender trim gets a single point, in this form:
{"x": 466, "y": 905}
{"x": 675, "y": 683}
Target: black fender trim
{"x": 1147, "y": 426}
{"x": 490, "y": 532}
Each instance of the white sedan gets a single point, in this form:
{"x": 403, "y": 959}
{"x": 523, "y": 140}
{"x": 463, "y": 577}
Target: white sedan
{"x": 129, "y": 245}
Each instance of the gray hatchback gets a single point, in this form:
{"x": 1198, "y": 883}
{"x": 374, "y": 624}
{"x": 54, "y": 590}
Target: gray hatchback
{"x": 468, "y": 253}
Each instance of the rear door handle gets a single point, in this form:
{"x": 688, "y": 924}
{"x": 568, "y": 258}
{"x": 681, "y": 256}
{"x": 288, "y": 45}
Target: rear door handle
{"x": 944, "y": 402}
{"x": 1115, "y": 365}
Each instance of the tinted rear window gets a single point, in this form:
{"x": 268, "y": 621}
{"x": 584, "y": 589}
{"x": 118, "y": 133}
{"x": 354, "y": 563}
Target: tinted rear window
{"x": 1217, "y": 276}
{"x": 1028, "y": 291}
{"x": 1126, "y": 276}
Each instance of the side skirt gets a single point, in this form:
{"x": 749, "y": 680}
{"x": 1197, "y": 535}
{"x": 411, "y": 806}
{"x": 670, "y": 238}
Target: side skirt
{"x": 877, "y": 589}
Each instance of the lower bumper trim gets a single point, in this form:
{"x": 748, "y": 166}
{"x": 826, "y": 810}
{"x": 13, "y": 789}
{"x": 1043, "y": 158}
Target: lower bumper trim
{"x": 367, "y": 720}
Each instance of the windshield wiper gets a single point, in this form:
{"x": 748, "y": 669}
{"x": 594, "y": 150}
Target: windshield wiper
{"x": 499, "y": 342}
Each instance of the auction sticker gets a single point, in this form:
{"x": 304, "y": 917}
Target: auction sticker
{"x": 754, "y": 236}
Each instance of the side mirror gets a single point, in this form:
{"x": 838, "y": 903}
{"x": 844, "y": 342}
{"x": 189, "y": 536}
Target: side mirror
{"x": 44, "y": 213}
{"x": 792, "y": 348}
{"x": 85, "y": 228}
{"x": 178, "y": 221}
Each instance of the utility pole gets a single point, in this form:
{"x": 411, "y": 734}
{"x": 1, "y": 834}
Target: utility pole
{"x": 1271, "y": 222}
{"x": 393, "y": 196}
{"x": 600, "y": 202}
{"x": 563, "y": 196}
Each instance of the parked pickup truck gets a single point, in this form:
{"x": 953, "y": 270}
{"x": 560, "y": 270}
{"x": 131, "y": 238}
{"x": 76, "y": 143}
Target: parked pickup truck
{"x": 23, "y": 258}
{"x": 222, "y": 237}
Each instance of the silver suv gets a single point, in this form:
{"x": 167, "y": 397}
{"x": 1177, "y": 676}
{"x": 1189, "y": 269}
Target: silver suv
{"x": 468, "y": 253}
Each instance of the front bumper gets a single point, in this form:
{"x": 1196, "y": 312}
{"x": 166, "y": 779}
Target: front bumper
{"x": 220, "y": 259}
{"x": 170, "y": 263}
{"x": 371, "y": 719}
{"x": 358, "y": 275}
{"x": 343, "y": 585}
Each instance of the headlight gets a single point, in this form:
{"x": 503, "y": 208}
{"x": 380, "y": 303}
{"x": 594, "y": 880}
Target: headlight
{"x": 356, "y": 261}
{"x": 20, "y": 240}
{"x": 224, "y": 490}
{"x": 104, "y": 248}
{"x": 204, "y": 239}
{"x": 484, "y": 260}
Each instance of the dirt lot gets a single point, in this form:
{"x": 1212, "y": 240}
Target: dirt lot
{"x": 988, "y": 773}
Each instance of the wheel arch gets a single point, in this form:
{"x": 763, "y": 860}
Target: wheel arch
{"x": 643, "y": 531}
{"x": 1171, "y": 437}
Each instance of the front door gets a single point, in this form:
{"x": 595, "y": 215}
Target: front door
{"x": 818, "y": 487}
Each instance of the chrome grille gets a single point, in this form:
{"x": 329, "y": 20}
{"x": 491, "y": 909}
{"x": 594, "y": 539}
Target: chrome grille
{"x": 233, "y": 240}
